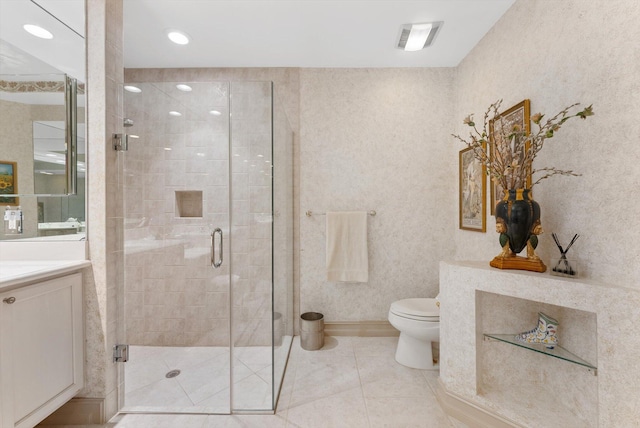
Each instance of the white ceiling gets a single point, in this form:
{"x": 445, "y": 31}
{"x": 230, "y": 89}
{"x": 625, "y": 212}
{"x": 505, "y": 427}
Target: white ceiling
{"x": 259, "y": 33}
{"x": 301, "y": 33}
{"x": 22, "y": 51}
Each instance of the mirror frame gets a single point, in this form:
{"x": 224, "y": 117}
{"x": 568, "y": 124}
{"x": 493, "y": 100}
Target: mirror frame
{"x": 71, "y": 134}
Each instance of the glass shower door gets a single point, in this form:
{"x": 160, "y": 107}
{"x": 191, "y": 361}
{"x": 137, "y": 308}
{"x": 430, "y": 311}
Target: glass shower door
{"x": 177, "y": 247}
{"x": 261, "y": 224}
{"x": 252, "y": 222}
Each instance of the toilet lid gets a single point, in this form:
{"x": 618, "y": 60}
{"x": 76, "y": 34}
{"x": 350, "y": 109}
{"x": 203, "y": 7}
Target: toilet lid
{"x": 421, "y": 307}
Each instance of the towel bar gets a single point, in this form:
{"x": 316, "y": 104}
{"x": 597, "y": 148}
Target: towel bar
{"x": 310, "y": 213}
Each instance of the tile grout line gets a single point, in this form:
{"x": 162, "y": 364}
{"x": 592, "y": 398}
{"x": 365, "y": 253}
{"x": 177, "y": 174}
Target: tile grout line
{"x": 293, "y": 361}
{"x": 366, "y": 406}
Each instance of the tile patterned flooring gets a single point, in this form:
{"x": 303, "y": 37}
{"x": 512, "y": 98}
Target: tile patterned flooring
{"x": 353, "y": 382}
{"x": 203, "y": 383}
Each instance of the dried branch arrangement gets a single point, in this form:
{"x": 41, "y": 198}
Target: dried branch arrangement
{"x": 509, "y": 152}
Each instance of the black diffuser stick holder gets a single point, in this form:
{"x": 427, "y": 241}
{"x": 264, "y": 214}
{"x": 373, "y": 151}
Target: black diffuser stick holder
{"x": 564, "y": 266}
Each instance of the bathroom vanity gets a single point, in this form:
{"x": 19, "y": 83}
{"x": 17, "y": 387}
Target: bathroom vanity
{"x": 41, "y": 338}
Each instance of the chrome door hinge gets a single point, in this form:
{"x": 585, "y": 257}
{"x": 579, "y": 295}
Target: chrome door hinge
{"x": 121, "y": 353}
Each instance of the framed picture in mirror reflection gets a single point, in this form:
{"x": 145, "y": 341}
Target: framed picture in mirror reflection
{"x": 8, "y": 183}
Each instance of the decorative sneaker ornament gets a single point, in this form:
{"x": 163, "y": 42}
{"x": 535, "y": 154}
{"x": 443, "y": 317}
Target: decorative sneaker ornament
{"x": 546, "y": 332}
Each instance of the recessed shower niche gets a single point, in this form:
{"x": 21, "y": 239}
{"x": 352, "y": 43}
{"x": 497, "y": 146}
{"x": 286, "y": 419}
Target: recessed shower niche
{"x": 188, "y": 203}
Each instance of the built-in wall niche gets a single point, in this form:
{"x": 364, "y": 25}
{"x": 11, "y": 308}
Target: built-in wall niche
{"x": 188, "y": 203}
{"x": 530, "y": 386}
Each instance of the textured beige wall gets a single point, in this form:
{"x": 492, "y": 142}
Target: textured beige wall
{"x": 16, "y": 128}
{"x": 104, "y": 282}
{"x": 376, "y": 139}
{"x": 557, "y": 53}
{"x": 596, "y": 322}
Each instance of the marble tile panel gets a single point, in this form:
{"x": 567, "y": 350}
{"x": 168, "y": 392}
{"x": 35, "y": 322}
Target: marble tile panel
{"x": 252, "y": 392}
{"x": 418, "y": 412}
{"x": 206, "y": 379}
{"x": 383, "y": 377}
{"x": 161, "y": 421}
{"x": 375, "y": 346}
{"x": 142, "y": 373}
{"x": 311, "y": 378}
{"x": 246, "y": 421}
{"x": 165, "y": 392}
{"x": 342, "y": 409}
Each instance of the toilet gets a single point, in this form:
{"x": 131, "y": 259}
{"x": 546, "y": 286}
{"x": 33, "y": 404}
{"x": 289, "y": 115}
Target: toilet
{"x": 418, "y": 321}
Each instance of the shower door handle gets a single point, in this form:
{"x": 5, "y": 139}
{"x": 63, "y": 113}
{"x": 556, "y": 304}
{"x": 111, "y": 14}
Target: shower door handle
{"x": 214, "y": 263}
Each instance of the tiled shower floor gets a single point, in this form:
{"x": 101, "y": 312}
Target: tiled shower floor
{"x": 203, "y": 383}
{"x": 353, "y": 382}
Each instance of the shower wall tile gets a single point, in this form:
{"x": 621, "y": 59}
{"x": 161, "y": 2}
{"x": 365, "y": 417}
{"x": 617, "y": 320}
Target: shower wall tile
{"x": 249, "y": 140}
{"x": 251, "y": 123}
{"x": 179, "y": 291}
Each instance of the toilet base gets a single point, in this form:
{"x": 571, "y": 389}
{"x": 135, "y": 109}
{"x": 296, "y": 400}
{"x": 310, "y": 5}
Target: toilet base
{"x": 415, "y": 353}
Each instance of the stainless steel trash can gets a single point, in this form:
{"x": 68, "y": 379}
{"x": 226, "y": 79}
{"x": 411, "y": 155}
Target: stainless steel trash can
{"x": 311, "y": 331}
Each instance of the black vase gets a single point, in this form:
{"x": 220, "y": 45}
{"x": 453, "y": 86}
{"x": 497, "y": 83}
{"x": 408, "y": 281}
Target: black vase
{"x": 520, "y": 214}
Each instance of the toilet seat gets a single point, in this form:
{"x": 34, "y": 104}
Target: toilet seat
{"x": 420, "y": 309}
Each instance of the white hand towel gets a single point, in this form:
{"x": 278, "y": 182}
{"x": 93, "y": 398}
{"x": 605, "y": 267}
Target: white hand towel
{"x": 347, "y": 258}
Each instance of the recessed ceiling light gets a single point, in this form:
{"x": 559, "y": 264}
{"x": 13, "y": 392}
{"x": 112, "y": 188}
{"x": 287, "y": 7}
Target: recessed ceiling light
{"x": 133, "y": 89}
{"x": 414, "y": 37}
{"x": 178, "y": 37}
{"x": 37, "y": 31}
{"x": 168, "y": 149}
{"x": 175, "y": 113}
{"x": 215, "y": 112}
{"x": 184, "y": 88}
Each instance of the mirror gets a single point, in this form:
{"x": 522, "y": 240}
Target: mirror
{"x": 42, "y": 116}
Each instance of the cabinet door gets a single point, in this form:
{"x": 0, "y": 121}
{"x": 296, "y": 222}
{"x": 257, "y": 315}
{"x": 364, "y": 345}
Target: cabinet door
{"x": 41, "y": 342}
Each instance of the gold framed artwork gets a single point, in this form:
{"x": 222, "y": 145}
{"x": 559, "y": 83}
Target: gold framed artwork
{"x": 8, "y": 183}
{"x": 519, "y": 115}
{"x": 473, "y": 192}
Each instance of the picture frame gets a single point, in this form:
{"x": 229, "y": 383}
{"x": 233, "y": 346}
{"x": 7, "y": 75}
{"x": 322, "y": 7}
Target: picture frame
{"x": 473, "y": 192}
{"x": 518, "y": 114}
{"x": 9, "y": 183}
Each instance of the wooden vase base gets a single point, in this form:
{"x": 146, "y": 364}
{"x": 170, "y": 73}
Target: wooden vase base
{"x": 517, "y": 262}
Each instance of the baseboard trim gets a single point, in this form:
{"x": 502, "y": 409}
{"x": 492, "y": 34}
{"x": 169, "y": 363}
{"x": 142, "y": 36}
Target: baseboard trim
{"x": 360, "y": 328}
{"x": 78, "y": 411}
{"x": 474, "y": 415}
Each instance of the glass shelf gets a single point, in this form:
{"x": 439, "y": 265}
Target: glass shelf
{"x": 557, "y": 352}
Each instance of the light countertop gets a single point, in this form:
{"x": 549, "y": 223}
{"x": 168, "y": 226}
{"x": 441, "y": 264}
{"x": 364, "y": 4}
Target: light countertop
{"x": 14, "y": 273}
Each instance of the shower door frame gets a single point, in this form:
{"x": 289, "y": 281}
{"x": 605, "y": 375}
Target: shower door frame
{"x": 228, "y": 252}
{"x": 180, "y": 222}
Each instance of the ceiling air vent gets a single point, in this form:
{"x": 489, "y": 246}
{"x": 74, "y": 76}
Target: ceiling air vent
{"x": 414, "y": 37}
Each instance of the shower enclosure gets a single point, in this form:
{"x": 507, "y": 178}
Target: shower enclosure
{"x": 208, "y": 247}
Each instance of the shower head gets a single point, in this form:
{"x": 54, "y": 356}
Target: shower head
{"x": 127, "y": 123}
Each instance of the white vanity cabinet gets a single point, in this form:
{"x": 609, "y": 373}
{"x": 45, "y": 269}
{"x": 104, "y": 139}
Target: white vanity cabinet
{"x": 41, "y": 349}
